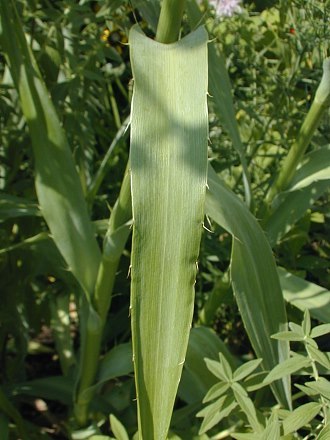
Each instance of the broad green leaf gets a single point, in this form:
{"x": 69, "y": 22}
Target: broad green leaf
{"x": 118, "y": 429}
{"x": 117, "y": 362}
{"x": 304, "y": 294}
{"x": 57, "y": 182}
{"x": 290, "y": 207}
{"x": 315, "y": 166}
{"x": 246, "y": 406}
{"x": 244, "y": 370}
{"x": 169, "y": 130}
{"x": 301, "y": 417}
{"x": 287, "y": 367}
{"x": 254, "y": 278}
{"x": 11, "y": 207}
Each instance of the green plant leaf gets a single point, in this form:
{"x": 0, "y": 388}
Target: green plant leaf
{"x": 322, "y": 386}
{"x": 117, "y": 362}
{"x": 220, "y": 91}
{"x": 254, "y": 278}
{"x": 304, "y": 294}
{"x": 196, "y": 380}
{"x": 247, "y": 406}
{"x": 216, "y": 369}
{"x": 272, "y": 430}
{"x": 289, "y": 208}
{"x": 301, "y": 417}
{"x": 57, "y": 182}
{"x": 12, "y": 207}
{"x": 288, "y": 336}
{"x": 118, "y": 429}
{"x": 215, "y": 416}
{"x": 306, "y": 324}
{"x": 226, "y": 367}
{"x": 244, "y": 370}
{"x": 314, "y": 167}
{"x": 325, "y": 433}
{"x": 58, "y": 388}
{"x": 319, "y": 357}
{"x": 287, "y": 367}
{"x": 320, "y": 330}
{"x": 217, "y": 390}
{"x": 169, "y": 130}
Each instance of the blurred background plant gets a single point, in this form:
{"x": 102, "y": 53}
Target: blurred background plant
{"x": 273, "y": 52}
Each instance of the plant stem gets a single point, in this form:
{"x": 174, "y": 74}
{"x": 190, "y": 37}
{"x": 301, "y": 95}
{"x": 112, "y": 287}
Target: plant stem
{"x": 169, "y": 23}
{"x": 114, "y": 244}
{"x": 312, "y": 121}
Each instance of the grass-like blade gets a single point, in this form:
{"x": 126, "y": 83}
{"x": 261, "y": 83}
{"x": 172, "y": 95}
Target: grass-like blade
{"x": 169, "y": 129}
{"x": 254, "y": 278}
{"x": 57, "y": 182}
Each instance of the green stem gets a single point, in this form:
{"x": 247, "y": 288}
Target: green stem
{"x": 114, "y": 244}
{"x": 314, "y": 116}
{"x": 169, "y": 23}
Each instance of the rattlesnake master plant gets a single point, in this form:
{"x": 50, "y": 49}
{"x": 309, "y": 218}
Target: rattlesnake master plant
{"x": 61, "y": 254}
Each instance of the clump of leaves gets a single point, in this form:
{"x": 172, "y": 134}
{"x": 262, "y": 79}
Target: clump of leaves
{"x": 233, "y": 391}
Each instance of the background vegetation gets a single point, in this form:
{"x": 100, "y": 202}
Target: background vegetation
{"x": 273, "y": 53}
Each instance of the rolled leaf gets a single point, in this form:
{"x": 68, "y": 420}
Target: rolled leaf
{"x": 169, "y": 130}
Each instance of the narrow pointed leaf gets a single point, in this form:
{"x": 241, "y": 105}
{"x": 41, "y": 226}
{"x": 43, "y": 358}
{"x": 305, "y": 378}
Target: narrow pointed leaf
{"x": 216, "y": 391}
{"x": 320, "y": 330}
{"x": 287, "y": 367}
{"x": 244, "y": 370}
{"x": 216, "y": 369}
{"x": 247, "y": 407}
{"x": 314, "y": 167}
{"x": 319, "y": 357}
{"x": 304, "y": 294}
{"x": 169, "y": 130}
{"x": 57, "y": 182}
{"x": 321, "y": 385}
{"x": 118, "y": 429}
{"x": 254, "y": 278}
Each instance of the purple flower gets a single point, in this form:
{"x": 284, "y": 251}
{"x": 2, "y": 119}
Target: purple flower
{"x": 226, "y": 8}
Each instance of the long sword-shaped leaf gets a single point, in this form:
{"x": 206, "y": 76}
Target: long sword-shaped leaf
{"x": 169, "y": 129}
{"x": 57, "y": 183}
{"x": 254, "y": 278}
